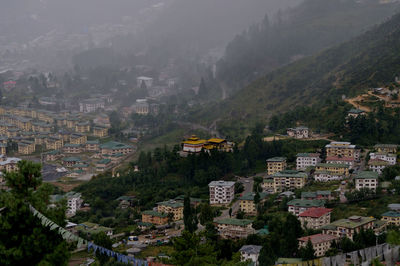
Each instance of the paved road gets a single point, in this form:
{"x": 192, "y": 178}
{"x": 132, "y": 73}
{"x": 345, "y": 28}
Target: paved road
{"x": 248, "y": 187}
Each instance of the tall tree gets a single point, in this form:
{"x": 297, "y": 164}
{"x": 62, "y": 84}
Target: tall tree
{"x": 189, "y": 216}
{"x": 23, "y": 239}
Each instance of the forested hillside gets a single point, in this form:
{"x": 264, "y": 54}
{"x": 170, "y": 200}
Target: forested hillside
{"x": 366, "y": 61}
{"x": 295, "y": 33}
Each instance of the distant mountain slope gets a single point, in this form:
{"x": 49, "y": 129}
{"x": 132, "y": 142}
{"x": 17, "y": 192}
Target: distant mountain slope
{"x": 297, "y": 32}
{"x": 366, "y": 61}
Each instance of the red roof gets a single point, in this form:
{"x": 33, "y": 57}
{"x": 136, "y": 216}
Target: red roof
{"x": 315, "y": 212}
{"x": 318, "y": 238}
{"x": 343, "y": 159}
{"x": 10, "y": 82}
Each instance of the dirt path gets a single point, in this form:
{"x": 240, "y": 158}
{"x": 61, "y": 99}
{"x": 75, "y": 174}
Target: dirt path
{"x": 359, "y": 98}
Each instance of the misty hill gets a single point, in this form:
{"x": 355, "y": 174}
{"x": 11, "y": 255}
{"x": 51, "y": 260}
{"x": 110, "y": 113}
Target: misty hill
{"x": 295, "y": 33}
{"x": 367, "y": 61}
{"x": 193, "y": 26}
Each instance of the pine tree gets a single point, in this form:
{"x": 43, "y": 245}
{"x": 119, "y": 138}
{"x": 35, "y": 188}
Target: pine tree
{"x": 189, "y": 216}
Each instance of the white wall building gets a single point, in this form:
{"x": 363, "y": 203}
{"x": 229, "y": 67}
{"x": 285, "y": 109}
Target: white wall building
{"x": 305, "y": 160}
{"x": 388, "y": 157}
{"x": 250, "y": 252}
{"x": 74, "y": 202}
{"x": 221, "y": 192}
{"x": 377, "y": 165}
{"x": 341, "y": 160}
{"x": 324, "y": 176}
{"x": 91, "y": 105}
{"x": 366, "y": 179}
{"x": 298, "y": 132}
{"x": 146, "y": 80}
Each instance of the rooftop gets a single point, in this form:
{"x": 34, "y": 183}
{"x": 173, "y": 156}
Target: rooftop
{"x": 250, "y": 249}
{"x": 154, "y": 213}
{"x": 290, "y": 173}
{"x": 171, "y": 203}
{"x": 315, "y": 212}
{"x": 318, "y": 238}
{"x": 392, "y": 146}
{"x": 352, "y": 222}
{"x": 392, "y": 214}
{"x": 367, "y": 175}
{"x": 71, "y": 159}
{"x": 222, "y": 183}
{"x": 114, "y": 145}
{"x": 277, "y": 159}
{"x": 250, "y": 196}
{"x": 306, "y": 203}
{"x": 378, "y": 162}
{"x": 233, "y": 221}
{"x": 307, "y": 155}
{"x": 336, "y": 165}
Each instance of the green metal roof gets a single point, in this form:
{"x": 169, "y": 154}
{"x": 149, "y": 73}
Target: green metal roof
{"x": 337, "y": 165}
{"x": 276, "y": 159}
{"x": 306, "y": 203}
{"x": 290, "y": 173}
{"x": 392, "y": 214}
{"x": 171, "y": 203}
{"x": 367, "y": 175}
{"x": 352, "y": 222}
{"x": 71, "y": 159}
{"x": 154, "y": 213}
{"x": 104, "y": 161}
{"x": 251, "y": 195}
{"x": 233, "y": 221}
{"x": 114, "y": 145}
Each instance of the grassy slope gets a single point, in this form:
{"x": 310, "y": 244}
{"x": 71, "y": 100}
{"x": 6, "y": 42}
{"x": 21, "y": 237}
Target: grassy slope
{"x": 366, "y": 61}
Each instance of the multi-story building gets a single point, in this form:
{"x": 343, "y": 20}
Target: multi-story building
{"x": 325, "y": 176}
{"x": 377, "y": 165}
{"x": 268, "y": 185}
{"x": 315, "y": 218}
{"x": 171, "y": 206}
{"x": 289, "y": 180}
{"x": 141, "y": 107}
{"x": 53, "y": 143}
{"x": 218, "y": 144}
{"x": 154, "y": 217}
{"x": 72, "y": 148}
{"x": 26, "y": 147}
{"x": 91, "y": 105}
{"x": 52, "y": 155}
{"x": 103, "y": 165}
{"x": 92, "y": 145}
{"x": 320, "y": 194}
{"x": 82, "y": 127}
{"x": 41, "y": 127}
{"x": 348, "y": 227}
{"x": 298, "y": 206}
{"x": 342, "y": 149}
{"x": 321, "y": 243}
{"x": 78, "y": 138}
{"x": 147, "y": 81}
{"x": 388, "y": 157}
{"x": 71, "y": 122}
{"x": 221, "y": 192}
{"x": 247, "y": 204}
{"x": 3, "y": 148}
{"x": 8, "y": 164}
{"x": 355, "y": 113}
{"x": 250, "y": 252}
{"x": 71, "y": 161}
{"x": 298, "y": 132}
{"x": 100, "y": 131}
{"x": 341, "y": 160}
{"x": 234, "y": 228}
{"x": 113, "y": 147}
{"x": 391, "y": 217}
{"x": 366, "y": 179}
{"x": 334, "y": 168}
{"x": 388, "y": 148}
{"x": 74, "y": 202}
{"x": 305, "y": 160}
{"x": 193, "y": 144}
{"x": 276, "y": 164}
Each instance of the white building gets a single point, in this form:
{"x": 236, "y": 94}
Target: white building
{"x": 388, "y": 157}
{"x": 146, "y": 80}
{"x": 74, "y": 202}
{"x": 91, "y": 105}
{"x": 341, "y": 160}
{"x": 221, "y": 192}
{"x": 377, "y": 165}
{"x": 298, "y": 132}
{"x": 141, "y": 107}
{"x": 325, "y": 176}
{"x": 366, "y": 179}
{"x": 250, "y": 252}
{"x": 305, "y": 160}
